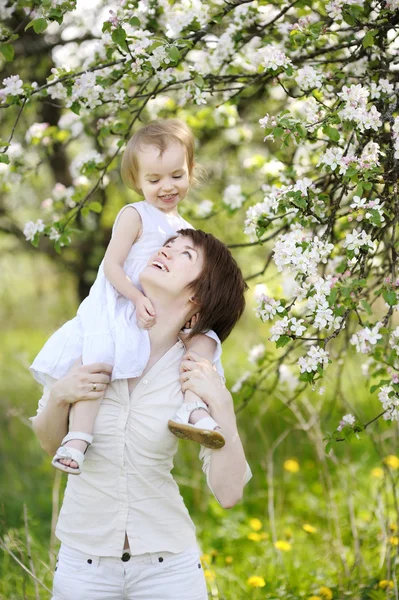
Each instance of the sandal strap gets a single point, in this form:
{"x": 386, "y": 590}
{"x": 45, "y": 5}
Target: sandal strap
{"x": 206, "y": 423}
{"x": 72, "y": 454}
{"x": 77, "y": 435}
{"x": 184, "y": 412}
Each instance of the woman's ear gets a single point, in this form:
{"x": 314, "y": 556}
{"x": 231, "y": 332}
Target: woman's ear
{"x": 194, "y": 300}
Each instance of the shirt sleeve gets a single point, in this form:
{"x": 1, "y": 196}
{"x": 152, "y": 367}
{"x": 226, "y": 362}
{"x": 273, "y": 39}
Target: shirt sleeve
{"x": 205, "y": 456}
{"x": 49, "y": 382}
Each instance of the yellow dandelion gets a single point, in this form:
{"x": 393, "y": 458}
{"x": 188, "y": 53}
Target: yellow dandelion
{"x": 264, "y": 535}
{"x": 255, "y": 524}
{"x": 209, "y": 575}
{"x": 254, "y": 537}
{"x": 325, "y": 593}
{"x": 392, "y": 461}
{"x": 214, "y": 552}
{"x": 384, "y": 584}
{"x": 309, "y": 528}
{"x": 282, "y": 545}
{"x": 205, "y": 559}
{"x": 377, "y": 472}
{"x": 256, "y": 581}
{"x": 229, "y": 560}
{"x": 291, "y": 465}
{"x": 393, "y": 527}
{"x": 394, "y": 540}
{"x": 287, "y": 532}
{"x": 315, "y": 598}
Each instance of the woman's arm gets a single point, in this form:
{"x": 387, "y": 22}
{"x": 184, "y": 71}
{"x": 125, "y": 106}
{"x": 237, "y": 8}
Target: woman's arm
{"x": 126, "y": 233}
{"x": 228, "y": 467}
{"x": 51, "y": 424}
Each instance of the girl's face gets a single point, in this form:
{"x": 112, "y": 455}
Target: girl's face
{"x": 164, "y": 180}
{"x": 171, "y": 270}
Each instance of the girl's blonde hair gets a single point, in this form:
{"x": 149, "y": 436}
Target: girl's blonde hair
{"x": 159, "y": 133}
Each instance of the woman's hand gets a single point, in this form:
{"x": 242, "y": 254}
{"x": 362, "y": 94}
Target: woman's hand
{"x": 83, "y": 382}
{"x": 199, "y": 376}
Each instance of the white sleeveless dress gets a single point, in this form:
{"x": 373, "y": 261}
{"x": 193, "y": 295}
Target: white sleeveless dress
{"x": 105, "y": 327}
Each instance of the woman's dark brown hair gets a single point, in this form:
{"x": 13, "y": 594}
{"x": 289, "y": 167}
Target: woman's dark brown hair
{"x": 219, "y": 290}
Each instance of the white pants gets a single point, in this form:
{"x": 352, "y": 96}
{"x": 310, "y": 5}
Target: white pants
{"x": 159, "y": 576}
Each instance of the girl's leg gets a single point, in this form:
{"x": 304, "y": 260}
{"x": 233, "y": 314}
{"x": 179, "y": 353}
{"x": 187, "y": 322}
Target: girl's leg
{"x": 197, "y": 414}
{"x": 81, "y": 418}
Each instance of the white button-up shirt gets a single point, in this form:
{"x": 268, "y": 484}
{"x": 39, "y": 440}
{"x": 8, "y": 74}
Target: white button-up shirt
{"x": 126, "y": 484}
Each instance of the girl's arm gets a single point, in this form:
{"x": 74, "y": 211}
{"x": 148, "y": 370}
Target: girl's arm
{"x": 228, "y": 467}
{"x": 202, "y": 345}
{"x": 126, "y": 233}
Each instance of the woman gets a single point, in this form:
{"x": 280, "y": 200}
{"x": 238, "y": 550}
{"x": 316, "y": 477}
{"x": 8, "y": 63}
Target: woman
{"x": 125, "y": 531}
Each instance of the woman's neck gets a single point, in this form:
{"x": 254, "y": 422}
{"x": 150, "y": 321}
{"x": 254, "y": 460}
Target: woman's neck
{"x": 164, "y": 333}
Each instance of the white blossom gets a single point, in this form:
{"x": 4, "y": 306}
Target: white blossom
{"x": 204, "y": 208}
{"x": 256, "y": 353}
{"x": 267, "y": 308}
{"x": 238, "y": 384}
{"x": 315, "y": 357}
{"x": 12, "y": 87}
{"x": 366, "y": 338}
{"x": 358, "y": 239}
{"x": 308, "y": 78}
{"x": 390, "y": 403}
{"x": 272, "y": 57}
{"x": 31, "y": 228}
{"x": 346, "y": 420}
{"x": 233, "y": 197}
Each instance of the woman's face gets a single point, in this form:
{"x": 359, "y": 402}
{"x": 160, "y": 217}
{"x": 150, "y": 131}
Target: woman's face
{"x": 170, "y": 270}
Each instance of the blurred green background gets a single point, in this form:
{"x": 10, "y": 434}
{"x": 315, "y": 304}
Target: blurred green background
{"x": 308, "y": 521}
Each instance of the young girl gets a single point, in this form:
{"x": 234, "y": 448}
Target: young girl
{"x": 112, "y": 322}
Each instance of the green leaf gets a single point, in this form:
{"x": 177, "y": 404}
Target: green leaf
{"x": 331, "y": 132}
{"x": 199, "y": 81}
{"x": 308, "y": 377}
{"x": 328, "y": 447}
{"x": 4, "y": 159}
{"x": 390, "y": 297}
{"x": 375, "y": 218}
{"x": 366, "y": 306}
{"x": 174, "y": 53}
{"x": 119, "y": 37}
{"x": 75, "y": 107}
{"x": 134, "y": 22}
{"x": 39, "y": 25}
{"x": 7, "y": 51}
{"x": 332, "y": 297}
{"x": 282, "y": 341}
{"x": 374, "y": 388}
{"x": 95, "y": 207}
{"x": 368, "y": 39}
{"x": 278, "y": 131}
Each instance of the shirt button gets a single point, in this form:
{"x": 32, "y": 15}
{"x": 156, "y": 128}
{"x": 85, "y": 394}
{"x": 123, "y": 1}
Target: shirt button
{"x": 145, "y": 381}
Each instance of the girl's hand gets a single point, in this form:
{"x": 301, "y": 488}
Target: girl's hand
{"x": 145, "y": 313}
{"x": 193, "y": 321}
{"x": 199, "y": 376}
{"x": 83, "y": 382}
